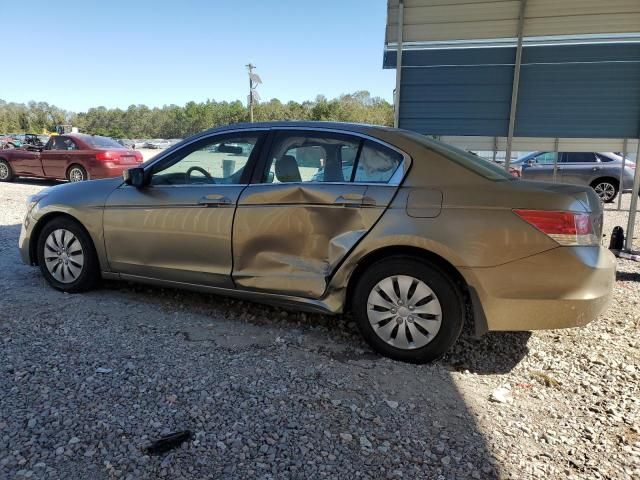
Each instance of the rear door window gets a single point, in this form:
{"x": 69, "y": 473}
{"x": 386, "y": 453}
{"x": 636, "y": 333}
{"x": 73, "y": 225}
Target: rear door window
{"x": 579, "y": 157}
{"x": 307, "y": 156}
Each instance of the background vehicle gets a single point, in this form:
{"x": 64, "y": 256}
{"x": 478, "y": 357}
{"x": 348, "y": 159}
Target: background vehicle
{"x": 74, "y": 157}
{"x": 600, "y": 170}
{"x": 33, "y": 141}
{"x": 126, "y": 143}
{"x": 28, "y": 141}
{"x": 8, "y": 141}
{"x": 410, "y": 234}
{"x": 158, "y": 144}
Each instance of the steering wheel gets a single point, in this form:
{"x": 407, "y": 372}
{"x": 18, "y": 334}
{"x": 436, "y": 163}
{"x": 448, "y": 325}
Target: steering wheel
{"x": 197, "y": 169}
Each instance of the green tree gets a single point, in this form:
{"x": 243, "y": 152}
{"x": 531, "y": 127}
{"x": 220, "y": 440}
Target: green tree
{"x": 173, "y": 121}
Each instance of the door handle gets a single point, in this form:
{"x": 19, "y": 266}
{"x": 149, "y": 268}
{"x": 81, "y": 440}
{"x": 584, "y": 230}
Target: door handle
{"x": 354, "y": 200}
{"x": 214, "y": 201}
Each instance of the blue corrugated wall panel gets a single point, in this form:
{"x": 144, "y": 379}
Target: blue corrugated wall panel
{"x": 565, "y": 91}
{"x": 591, "y": 100}
{"x": 448, "y": 98}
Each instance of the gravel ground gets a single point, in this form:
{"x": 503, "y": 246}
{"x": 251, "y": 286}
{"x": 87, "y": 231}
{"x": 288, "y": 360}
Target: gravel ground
{"x": 87, "y": 380}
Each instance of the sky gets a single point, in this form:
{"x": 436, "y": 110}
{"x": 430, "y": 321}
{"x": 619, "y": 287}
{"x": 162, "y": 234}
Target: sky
{"x": 90, "y": 53}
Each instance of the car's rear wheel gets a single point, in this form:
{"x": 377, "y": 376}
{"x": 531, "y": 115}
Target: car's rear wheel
{"x": 408, "y": 309}
{"x": 6, "y": 173}
{"x": 77, "y": 173}
{"x": 67, "y": 257}
{"x": 606, "y": 189}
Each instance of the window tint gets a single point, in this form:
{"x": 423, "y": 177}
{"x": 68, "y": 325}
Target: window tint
{"x": 604, "y": 158}
{"x": 311, "y": 157}
{"x": 62, "y": 143}
{"x": 546, "y": 158}
{"x": 102, "y": 142}
{"x": 579, "y": 157}
{"x": 377, "y": 163}
{"x": 218, "y": 161}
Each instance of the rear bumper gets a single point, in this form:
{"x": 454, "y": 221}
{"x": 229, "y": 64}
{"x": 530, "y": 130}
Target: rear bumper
{"x": 107, "y": 170}
{"x": 560, "y": 288}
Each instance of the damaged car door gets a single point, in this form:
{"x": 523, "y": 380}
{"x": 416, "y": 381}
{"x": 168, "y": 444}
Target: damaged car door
{"x": 314, "y": 196}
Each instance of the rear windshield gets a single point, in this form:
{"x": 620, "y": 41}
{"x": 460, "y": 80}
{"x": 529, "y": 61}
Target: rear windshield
{"x": 479, "y": 165}
{"x": 101, "y": 142}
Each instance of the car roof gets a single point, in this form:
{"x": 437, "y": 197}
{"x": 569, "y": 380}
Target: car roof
{"x": 79, "y": 135}
{"x": 345, "y": 126}
{"x": 611, "y": 155}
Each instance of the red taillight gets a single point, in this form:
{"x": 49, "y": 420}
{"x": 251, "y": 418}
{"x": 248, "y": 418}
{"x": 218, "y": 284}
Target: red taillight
{"x": 108, "y": 156}
{"x": 566, "y": 228}
{"x": 138, "y": 157}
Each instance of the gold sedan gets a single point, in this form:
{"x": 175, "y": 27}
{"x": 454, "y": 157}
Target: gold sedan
{"x": 411, "y": 235}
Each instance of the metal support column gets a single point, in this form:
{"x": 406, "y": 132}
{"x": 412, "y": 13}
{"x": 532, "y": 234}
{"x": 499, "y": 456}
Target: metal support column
{"x": 628, "y": 242}
{"x": 495, "y": 148}
{"x": 396, "y": 116}
{"x": 625, "y": 147}
{"x": 555, "y": 160}
{"x": 516, "y": 84}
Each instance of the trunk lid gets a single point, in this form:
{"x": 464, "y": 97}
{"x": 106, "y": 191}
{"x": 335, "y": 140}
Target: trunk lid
{"x": 585, "y": 195}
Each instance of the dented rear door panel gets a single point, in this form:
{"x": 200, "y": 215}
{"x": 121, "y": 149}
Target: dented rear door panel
{"x": 289, "y": 238}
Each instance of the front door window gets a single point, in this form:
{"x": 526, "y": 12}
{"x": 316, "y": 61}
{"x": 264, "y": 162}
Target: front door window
{"x": 218, "y": 162}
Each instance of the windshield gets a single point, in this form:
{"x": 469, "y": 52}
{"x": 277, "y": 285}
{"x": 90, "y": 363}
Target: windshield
{"x": 101, "y": 142}
{"x": 479, "y": 165}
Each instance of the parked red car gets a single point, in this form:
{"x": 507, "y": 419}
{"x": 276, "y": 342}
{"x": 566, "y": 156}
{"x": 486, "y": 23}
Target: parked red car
{"x": 75, "y": 157}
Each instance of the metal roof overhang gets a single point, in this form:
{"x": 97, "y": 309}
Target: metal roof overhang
{"x": 446, "y": 20}
{"x": 559, "y": 75}
{"x": 578, "y": 75}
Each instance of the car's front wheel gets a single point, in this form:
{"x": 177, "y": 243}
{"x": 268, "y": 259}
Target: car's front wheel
{"x": 67, "y": 257}
{"x": 408, "y": 309}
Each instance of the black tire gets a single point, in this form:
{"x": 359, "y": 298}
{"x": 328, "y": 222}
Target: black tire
{"x": 75, "y": 170}
{"x": 90, "y": 272}
{"x": 6, "y": 172}
{"x": 606, "y": 188}
{"x": 442, "y": 285}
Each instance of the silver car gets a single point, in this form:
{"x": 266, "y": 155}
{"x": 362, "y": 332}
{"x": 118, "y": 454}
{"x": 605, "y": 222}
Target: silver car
{"x": 600, "y": 170}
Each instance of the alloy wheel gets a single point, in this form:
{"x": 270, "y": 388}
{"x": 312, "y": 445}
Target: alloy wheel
{"x": 63, "y": 256}
{"x": 605, "y": 190}
{"x": 404, "y": 312}
{"x": 76, "y": 175}
{"x": 4, "y": 171}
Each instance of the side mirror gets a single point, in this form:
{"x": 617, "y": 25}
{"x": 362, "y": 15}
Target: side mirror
{"x": 531, "y": 162}
{"x": 134, "y": 177}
